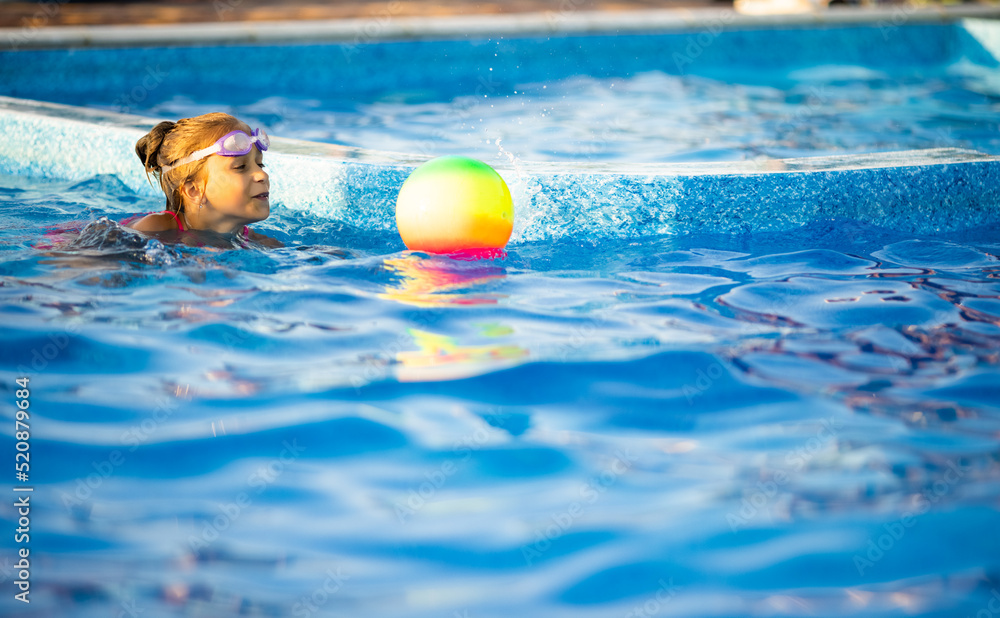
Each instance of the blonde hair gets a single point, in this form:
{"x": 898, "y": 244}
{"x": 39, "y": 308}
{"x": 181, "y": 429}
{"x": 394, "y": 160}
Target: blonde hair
{"x": 169, "y": 141}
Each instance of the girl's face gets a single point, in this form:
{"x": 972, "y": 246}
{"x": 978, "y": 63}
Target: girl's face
{"x": 236, "y": 191}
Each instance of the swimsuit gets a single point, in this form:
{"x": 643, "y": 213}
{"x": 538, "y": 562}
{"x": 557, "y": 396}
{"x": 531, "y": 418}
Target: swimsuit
{"x": 60, "y": 234}
{"x": 180, "y": 226}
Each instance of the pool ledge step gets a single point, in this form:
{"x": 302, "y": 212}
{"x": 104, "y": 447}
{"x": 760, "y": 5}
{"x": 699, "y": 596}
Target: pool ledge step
{"x": 922, "y": 191}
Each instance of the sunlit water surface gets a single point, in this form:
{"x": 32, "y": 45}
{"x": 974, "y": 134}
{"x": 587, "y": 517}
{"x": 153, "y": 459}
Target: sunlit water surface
{"x": 794, "y": 424}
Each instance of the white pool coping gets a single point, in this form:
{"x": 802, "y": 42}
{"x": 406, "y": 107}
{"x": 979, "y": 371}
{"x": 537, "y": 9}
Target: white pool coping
{"x": 136, "y": 126}
{"x": 387, "y": 26}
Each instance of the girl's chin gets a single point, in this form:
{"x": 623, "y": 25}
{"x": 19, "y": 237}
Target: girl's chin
{"x": 258, "y": 209}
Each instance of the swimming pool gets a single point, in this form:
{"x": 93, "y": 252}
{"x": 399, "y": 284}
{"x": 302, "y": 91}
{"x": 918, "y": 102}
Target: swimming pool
{"x": 714, "y": 383}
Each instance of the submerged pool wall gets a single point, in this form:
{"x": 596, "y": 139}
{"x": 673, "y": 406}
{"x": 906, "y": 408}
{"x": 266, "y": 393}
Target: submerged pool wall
{"x": 920, "y": 191}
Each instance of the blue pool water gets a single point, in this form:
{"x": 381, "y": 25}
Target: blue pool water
{"x": 719, "y": 93}
{"x": 621, "y": 418}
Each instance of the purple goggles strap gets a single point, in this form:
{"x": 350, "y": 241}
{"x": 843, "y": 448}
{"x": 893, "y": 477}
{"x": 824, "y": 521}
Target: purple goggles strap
{"x": 258, "y": 137}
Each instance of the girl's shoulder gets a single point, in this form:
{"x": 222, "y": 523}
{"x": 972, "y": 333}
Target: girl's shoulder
{"x": 267, "y": 241}
{"x": 155, "y": 222}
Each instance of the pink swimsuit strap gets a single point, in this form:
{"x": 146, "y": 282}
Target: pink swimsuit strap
{"x": 180, "y": 226}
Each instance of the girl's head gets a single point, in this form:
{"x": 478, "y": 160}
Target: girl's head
{"x": 204, "y": 177}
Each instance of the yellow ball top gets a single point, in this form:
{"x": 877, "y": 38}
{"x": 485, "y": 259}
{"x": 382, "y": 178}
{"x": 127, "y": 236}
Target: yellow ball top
{"x": 452, "y": 204}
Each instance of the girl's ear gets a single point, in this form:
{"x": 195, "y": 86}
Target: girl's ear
{"x": 192, "y": 193}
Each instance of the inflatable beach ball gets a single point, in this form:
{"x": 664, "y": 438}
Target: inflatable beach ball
{"x": 452, "y": 204}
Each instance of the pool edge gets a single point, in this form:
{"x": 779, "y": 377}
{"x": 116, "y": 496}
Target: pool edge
{"x": 931, "y": 190}
{"x": 368, "y": 30}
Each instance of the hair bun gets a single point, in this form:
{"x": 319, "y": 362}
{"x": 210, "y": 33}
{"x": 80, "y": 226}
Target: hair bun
{"x": 148, "y": 146}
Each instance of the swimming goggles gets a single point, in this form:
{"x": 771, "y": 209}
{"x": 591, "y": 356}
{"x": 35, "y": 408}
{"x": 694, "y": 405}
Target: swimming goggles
{"x": 232, "y": 144}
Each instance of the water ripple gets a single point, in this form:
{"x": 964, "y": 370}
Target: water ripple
{"x": 705, "y": 425}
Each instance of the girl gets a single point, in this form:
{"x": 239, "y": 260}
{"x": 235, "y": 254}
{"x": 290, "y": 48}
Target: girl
{"x": 211, "y": 170}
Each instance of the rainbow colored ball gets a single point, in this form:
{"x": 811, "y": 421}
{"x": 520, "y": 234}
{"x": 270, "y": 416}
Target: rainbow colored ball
{"x": 454, "y": 204}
